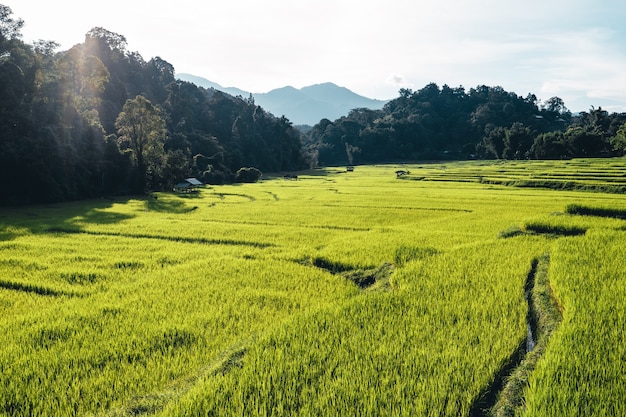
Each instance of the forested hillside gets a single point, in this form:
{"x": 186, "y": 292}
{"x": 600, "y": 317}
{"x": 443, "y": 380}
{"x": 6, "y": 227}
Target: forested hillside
{"x": 99, "y": 120}
{"x": 452, "y": 123}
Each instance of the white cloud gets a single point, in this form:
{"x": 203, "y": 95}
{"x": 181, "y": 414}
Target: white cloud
{"x": 398, "y": 81}
{"x": 570, "y": 48}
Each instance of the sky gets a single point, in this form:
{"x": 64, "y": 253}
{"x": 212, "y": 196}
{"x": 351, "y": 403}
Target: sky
{"x": 572, "y": 49}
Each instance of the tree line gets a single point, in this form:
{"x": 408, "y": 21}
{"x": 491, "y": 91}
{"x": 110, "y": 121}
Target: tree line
{"x": 100, "y": 120}
{"x": 452, "y": 123}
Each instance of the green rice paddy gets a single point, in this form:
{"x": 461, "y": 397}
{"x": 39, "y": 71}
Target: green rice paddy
{"x": 341, "y": 293}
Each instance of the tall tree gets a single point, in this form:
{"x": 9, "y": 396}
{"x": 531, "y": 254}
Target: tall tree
{"x": 518, "y": 140}
{"x": 141, "y": 131}
{"x": 9, "y": 27}
{"x": 619, "y": 140}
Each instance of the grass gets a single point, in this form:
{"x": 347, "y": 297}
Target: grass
{"x": 585, "y": 175}
{"x": 610, "y": 212}
{"x": 581, "y": 372}
{"x": 335, "y": 294}
{"x": 545, "y": 319}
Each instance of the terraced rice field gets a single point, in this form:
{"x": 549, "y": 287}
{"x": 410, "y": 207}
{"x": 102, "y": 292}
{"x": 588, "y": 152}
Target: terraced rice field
{"x": 341, "y": 293}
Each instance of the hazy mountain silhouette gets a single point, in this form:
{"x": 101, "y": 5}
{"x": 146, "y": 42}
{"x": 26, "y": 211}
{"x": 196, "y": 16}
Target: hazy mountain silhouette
{"x": 305, "y": 106}
{"x": 203, "y": 82}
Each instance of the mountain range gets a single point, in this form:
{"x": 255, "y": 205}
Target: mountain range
{"x": 304, "y": 106}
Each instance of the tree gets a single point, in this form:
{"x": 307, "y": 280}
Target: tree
{"x": 84, "y": 80}
{"x": 493, "y": 143}
{"x": 9, "y": 27}
{"x": 619, "y": 140}
{"x": 555, "y": 105}
{"x": 141, "y": 131}
{"x": 248, "y": 175}
{"x": 549, "y": 145}
{"x": 586, "y": 142}
{"x": 160, "y": 75}
{"x": 113, "y": 41}
{"x": 518, "y": 140}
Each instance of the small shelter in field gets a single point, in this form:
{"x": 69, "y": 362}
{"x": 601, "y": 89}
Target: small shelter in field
{"x": 189, "y": 185}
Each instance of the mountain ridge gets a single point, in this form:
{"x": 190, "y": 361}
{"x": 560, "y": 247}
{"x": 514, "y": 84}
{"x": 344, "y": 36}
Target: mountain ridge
{"x": 304, "y": 106}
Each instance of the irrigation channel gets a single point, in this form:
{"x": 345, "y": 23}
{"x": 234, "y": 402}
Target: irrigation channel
{"x": 504, "y": 395}
{"x": 531, "y": 322}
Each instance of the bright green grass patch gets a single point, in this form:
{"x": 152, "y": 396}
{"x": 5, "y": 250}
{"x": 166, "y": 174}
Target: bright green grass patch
{"x": 250, "y": 295}
{"x": 140, "y": 334}
{"x": 409, "y": 352}
{"x": 582, "y": 372}
{"x": 576, "y": 175}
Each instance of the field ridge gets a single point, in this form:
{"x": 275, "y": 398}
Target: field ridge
{"x": 544, "y": 317}
{"x": 181, "y": 239}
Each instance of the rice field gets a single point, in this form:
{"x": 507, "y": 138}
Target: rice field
{"x": 341, "y": 293}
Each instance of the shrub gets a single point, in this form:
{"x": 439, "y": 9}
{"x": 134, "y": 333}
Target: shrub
{"x": 248, "y": 175}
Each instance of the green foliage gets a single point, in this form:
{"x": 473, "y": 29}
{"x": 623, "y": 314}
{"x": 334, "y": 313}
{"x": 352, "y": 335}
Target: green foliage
{"x": 60, "y": 112}
{"x": 141, "y": 129}
{"x": 451, "y": 123}
{"x": 9, "y": 27}
{"x": 517, "y": 140}
{"x": 585, "y": 142}
{"x": 248, "y": 175}
{"x": 438, "y": 123}
{"x": 549, "y": 145}
{"x": 619, "y": 140}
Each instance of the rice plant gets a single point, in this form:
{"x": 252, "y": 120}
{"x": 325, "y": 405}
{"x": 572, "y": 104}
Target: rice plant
{"x": 335, "y": 294}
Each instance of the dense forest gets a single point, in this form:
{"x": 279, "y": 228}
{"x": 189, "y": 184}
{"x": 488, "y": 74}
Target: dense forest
{"x": 452, "y": 123}
{"x": 100, "y": 120}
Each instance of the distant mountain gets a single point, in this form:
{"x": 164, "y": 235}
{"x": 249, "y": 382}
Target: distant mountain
{"x": 203, "y": 82}
{"x": 305, "y": 106}
{"x": 309, "y": 105}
